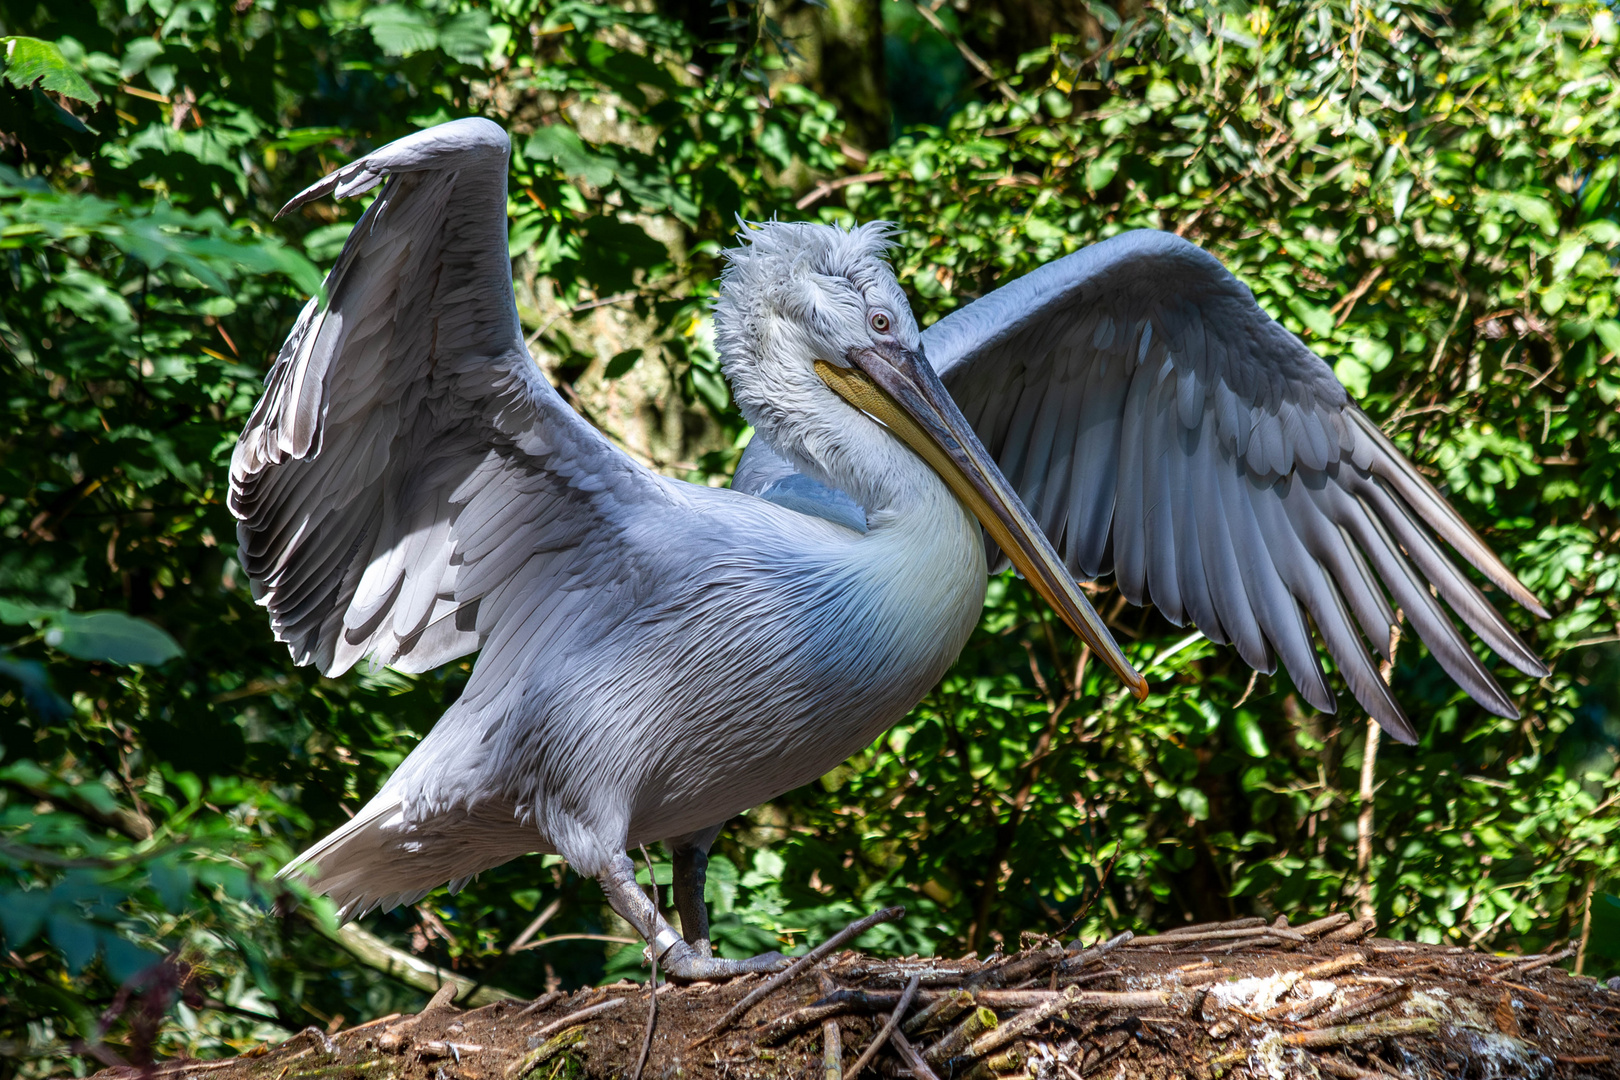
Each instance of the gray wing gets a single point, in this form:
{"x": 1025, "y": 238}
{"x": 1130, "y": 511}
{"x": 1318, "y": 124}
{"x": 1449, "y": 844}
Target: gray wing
{"x": 409, "y": 474}
{"x": 1162, "y": 427}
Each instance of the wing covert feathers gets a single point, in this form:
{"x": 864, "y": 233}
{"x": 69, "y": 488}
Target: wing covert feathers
{"x": 409, "y": 474}
{"x": 1164, "y": 429}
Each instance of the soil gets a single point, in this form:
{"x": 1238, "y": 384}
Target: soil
{"x": 1235, "y": 1000}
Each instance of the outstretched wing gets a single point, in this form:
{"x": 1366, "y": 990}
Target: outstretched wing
{"x": 409, "y": 474}
{"x": 1162, "y": 427}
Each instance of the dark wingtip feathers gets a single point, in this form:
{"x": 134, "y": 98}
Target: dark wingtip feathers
{"x": 1420, "y": 494}
{"x": 1399, "y": 728}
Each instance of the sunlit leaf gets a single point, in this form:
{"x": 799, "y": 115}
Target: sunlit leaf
{"x": 30, "y": 61}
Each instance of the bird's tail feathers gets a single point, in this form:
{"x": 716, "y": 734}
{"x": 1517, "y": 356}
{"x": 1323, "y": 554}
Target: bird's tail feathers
{"x": 385, "y": 857}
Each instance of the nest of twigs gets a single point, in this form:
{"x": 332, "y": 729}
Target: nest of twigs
{"x": 1237, "y": 999}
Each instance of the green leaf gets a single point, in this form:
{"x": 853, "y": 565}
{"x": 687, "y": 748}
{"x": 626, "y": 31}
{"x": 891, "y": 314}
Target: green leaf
{"x": 1161, "y": 93}
{"x": 30, "y": 60}
{"x": 1608, "y": 332}
{"x": 561, "y": 145}
{"x": 399, "y": 30}
{"x": 1375, "y": 354}
{"x": 71, "y": 934}
{"x": 1353, "y": 374}
{"x": 1101, "y": 171}
{"x": 1317, "y": 319}
{"x": 1537, "y": 211}
{"x": 465, "y": 37}
{"x": 1403, "y": 191}
{"x": 110, "y": 635}
{"x": 21, "y": 914}
{"x": 1250, "y": 737}
{"x": 20, "y": 612}
{"x": 123, "y": 958}
{"x": 622, "y": 363}
{"x": 1605, "y": 935}
{"x": 1195, "y": 802}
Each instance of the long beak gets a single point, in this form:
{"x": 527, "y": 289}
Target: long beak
{"x": 900, "y": 388}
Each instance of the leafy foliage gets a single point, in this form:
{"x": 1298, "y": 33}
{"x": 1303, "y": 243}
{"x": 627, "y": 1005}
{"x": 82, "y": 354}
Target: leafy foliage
{"x": 1427, "y": 199}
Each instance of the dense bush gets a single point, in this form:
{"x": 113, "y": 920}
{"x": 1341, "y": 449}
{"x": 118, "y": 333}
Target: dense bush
{"x": 1428, "y": 199}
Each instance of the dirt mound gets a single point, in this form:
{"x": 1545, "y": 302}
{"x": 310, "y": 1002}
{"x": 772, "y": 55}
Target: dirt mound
{"x": 1240, "y": 999}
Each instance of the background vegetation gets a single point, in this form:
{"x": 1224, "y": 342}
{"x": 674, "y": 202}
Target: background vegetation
{"x": 1427, "y": 195}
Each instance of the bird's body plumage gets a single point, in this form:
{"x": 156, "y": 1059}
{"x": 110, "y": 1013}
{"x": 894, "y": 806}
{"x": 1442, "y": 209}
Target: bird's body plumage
{"x": 656, "y": 656}
{"x": 642, "y": 726}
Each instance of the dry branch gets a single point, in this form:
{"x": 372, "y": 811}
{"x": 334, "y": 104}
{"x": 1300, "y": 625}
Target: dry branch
{"x": 888, "y": 1029}
{"x": 799, "y": 966}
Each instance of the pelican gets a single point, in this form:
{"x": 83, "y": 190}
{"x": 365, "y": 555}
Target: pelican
{"x": 655, "y": 656}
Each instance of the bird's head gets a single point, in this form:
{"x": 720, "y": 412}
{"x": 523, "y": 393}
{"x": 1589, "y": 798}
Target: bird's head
{"x": 795, "y": 293}
{"x": 819, "y": 343}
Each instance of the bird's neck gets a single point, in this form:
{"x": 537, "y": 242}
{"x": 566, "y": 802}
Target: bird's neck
{"x": 828, "y": 439}
{"x": 843, "y": 448}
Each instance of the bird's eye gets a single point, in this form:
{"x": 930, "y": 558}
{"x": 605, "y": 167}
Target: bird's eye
{"x": 880, "y": 322}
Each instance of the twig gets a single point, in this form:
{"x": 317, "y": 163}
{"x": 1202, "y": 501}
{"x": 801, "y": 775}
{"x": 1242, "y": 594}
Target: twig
{"x": 1348, "y": 304}
{"x": 366, "y": 1026}
{"x": 1210, "y": 927}
{"x": 1324, "y": 1038}
{"x": 376, "y": 953}
{"x": 1010, "y": 999}
{"x": 942, "y": 1010}
{"x": 950, "y": 1044}
{"x": 827, "y": 187}
{"x": 1368, "y": 1005}
{"x": 1337, "y": 966}
{"x": 1550, "y": 958}
{"x": 1347, "y": 1033}
{"x": 1217, "y": 935}
{"x": 1024, "y": 1021}
{"x": 1586, "y": 924}
{"x": 784, "y": 1026}
{"x": 832, "y": 1039}
{"x": 652, "y": 983}
{"x": 554, "y": 938}
{"x": 192, "y": 1067}
{"x": 579, "y": 309}
{"x": 968, "y": 54}
{"x": 1325, "y": 924}
{"x": 887, "y": 1030}
{"x": 826, "y": 948}
{"x": 534, "y": 927}
{"x": 539, "y": 1003}
{"x": 1345, "y": 1070}
{"x": 832, "y": 1051}
{"x": 1353, "y": 931}
{"x": 1108, "y": 870}
{"x": 574, "y": 1019}
{"x": 652, "y": 1020}
{"x": 914, "y": 1060}
{"x": 1254, "y": 677}
{"x": 547, "y": 1050}
{"x": 1009, "y": 1060}
{"x": 1016, "y": 969}
{"x": 1369, "y": 765}
{"x": 1096, "y": 952}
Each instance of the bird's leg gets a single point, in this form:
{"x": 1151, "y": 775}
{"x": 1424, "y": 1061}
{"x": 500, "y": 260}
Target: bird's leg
{"x": 690, "y": 855}
{"x": 691, "y": 871}
{"x": 679, "y": 959}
